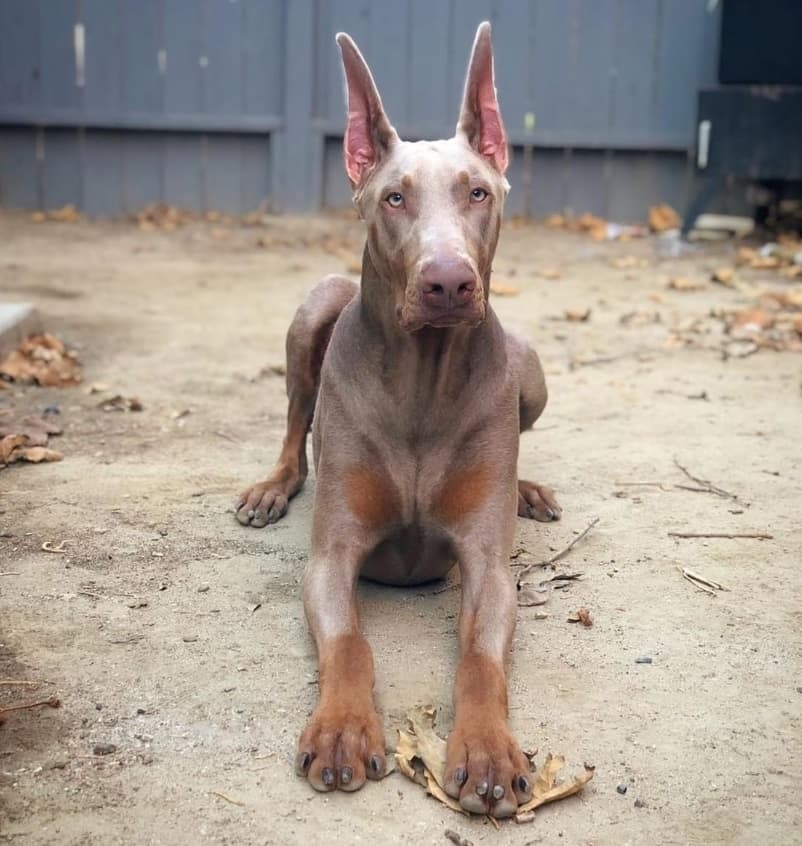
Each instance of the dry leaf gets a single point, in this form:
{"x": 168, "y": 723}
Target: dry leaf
{"x": 38, "y": 217}
{"x": 36, "y": 455}
{"x": 582, "y": 615}
{"x": 765, "y": 262}
{"x": 576, "y": 315}
{"x": 9, "y": 444}
{"x": 43, "y": 359}
{"x": 793, "y": 271}
{"x": 66, "y": 214}
{"x": 724, "y": 276}
{"x": 745, "y": 255}
{"x": 663, "y": 217}
{"x": 754, "y": 319}
{"x": 548, "y": 273}
{"x": 529, "y": 596}
{"x": 503, "y": 289}
{"x": 556, "y": 221}
{"x": 683, "y": 283}
{"x": 546, "y": 789}
{"x": 627, "y": 262}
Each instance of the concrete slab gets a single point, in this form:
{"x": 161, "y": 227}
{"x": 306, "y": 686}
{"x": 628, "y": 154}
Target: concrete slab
{"x": 17, "y": 320}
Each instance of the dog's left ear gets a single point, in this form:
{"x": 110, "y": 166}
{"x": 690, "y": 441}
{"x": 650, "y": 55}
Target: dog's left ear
{"x": 480, "y": 117}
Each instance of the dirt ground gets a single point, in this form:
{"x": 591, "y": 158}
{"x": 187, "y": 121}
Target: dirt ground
{"x": 177, "y": 635}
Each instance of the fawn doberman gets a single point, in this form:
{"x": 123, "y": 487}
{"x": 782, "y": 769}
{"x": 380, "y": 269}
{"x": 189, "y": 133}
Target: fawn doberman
{"x": 415, "y": 396}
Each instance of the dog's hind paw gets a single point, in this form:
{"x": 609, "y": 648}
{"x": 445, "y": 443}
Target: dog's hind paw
{"x": 537, "y": 502}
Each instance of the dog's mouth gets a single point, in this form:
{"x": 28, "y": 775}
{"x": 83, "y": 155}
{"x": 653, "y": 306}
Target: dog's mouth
{"x": 470, "y": 315}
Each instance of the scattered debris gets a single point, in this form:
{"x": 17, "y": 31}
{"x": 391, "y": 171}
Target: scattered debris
{"x": 598, "y": 228}
{"x": 744, "y": 535}
{"x": 639, "y": 803}
{"x": 65, "y": 214}
{"x": 629, "y": 262}
{"x": 50, "y": 702}
{"x": 577, "y": 315}
{"x": 724, "y": 276}
{"x": 704, "y": 486}
{"x": 662, "y": 218}
{"x": 222, "y": 795}
{"x": 456, "y": 839}
{"x": 15, "y": 448}
{"x": 621, "y": 788}
{"x": 504, "y": 289}
{"x": 581, "y": 615}
{"x": 684, "y": 283}
{"x": 101, "y": 749}
{"x": 43, "y": 359}
{"x": 557, "y": 556}
{"x": 47, "y": 546}
{"x": 700, "y": 582}
{"x": 120, "y": 403}
{"x": 643, "y": 659}
{"x": 548, "y": 273}
{"x": 421, "y": 757}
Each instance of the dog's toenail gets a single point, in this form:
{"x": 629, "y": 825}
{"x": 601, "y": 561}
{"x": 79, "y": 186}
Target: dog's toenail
{"x": 375, "y": 764}
{"x": 346, "y": 774}
{"x": 306, "y": 760}
{"x": 460, "y": 775}
{"x": 328, "y": 776}
{"x": 481, "y": 788}
{"x": 498, "y": 791}
{"x": 251, "y": 513}
{"x": 523, "y": 784}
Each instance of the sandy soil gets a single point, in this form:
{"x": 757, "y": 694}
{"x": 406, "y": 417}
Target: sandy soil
{"x": 177, "y": 635}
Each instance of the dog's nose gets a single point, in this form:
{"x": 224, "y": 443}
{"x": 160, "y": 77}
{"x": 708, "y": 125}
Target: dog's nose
{"x": 447, "y": 282}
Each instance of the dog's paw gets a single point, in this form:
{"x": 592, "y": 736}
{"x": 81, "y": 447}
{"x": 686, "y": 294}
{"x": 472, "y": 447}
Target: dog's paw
{"x": 340, "y": 748}
{"x": 537, "y": 502}
{"x": 263, "y": 503}
{"x": 485, "y": 769}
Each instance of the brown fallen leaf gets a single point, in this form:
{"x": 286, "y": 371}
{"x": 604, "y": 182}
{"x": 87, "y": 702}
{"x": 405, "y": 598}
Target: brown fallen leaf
{"x": 581, "y": 615}
{"x": 548, "y": 273}
{"x": 765, "y": 262}
{"x": 421, "y": 756}
{"x": 662, "y": 217}
{"x": 746, "y": 255}
{"x": 15, "y": 448}
{"x": 577, "y": 315}
{"x": 9, "y": 444}
{"x": 796, "y": 322}
{"x": 724, "y": 276}
{"x": 529, "y": 596}
{"x": 792, "y": 271}
{"x": 753, "y": 319}
{"x": 42, "y": 359}
{"x": 627, "y": 262}
{"x": 546, "y": 789}
{"x": 683, "y": 283}
{"x": 66, "y": 214}
{"x": 504, "y": 289}
{"x": 556, "y": 221}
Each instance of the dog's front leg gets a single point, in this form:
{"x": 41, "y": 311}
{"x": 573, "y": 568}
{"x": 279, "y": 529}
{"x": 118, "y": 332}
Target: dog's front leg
{"x": 343, "y": 742}
{"x": 485, "y": 768}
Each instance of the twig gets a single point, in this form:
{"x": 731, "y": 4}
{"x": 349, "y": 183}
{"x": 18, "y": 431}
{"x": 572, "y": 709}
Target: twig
{"x": 560, "y": 554}
{"x": 47, "y": 546}
{"x": 456, "y": 839}
{"x": 700, "y": 582}
{"x": 20, "y": 683}
{"x": 51, "y": 702}
{"x": 753, "y": 535}
{"x": 10, "y": 574}
{"x": 224, "y": 435}
{"x": 227, "y": 798}
{"x": 705, "y": 484}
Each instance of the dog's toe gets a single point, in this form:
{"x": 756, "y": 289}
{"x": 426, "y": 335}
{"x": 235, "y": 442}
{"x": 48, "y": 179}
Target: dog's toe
{"x": 537, "y": 502}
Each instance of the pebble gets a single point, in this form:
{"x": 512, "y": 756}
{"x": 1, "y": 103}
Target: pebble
{"x": 203, "y": 588}
{"x": 644, "y": 659}
{"x": 104, "y": 749}
{"x": 639, "y": 803}
{"x": 98, "y": 706}
{"x": 622, "y": 789}
{"x": 189, "y": 638}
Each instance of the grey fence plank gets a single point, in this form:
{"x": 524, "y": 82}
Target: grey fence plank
{"x": 222, "y": 50}
{"x": 142, "y": 170}
{"x": 63, "y": 169}
{"x": 184, "y": 77}
{"x": 142, "y": 77}
{"x": 102, "y": 173}
{"x": 256, "y": 189}
{"x": 57, "y": 23}
{"x": 429, "y": 103}
{"x": 222, "y": 187}
{"x": 183, "y": 174}
{"x": 18, "y": 168}
{"x": 20, "y": 59}
{"x": 263, "y": 57}
{"x": 389, "y": 42}
{"x": 104, "y": 55}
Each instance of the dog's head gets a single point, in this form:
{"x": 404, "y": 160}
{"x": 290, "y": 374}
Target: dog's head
{"x": 433, "y": 207}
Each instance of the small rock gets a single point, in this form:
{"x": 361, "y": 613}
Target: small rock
{"x": 141, "y": 711}
{"x": 98, "y": 706}
{"x": 163, "y": 532}
{"x": 58, "y": 764}
{"x": 639, "y": 803}
{"x": 203, "y": 588}
{"x": 799, "y": 690}
{"x": 621, "y": 788}
{"x": 104, "y": 749}
{"x": 644, "y": 659}
{"x": 526, "y": 817}
{"x": 189, "y": 638}
{"x": 51, "y": 409}
{"x": 138, "y": 603}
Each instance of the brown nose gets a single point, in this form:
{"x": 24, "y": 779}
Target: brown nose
{"x": 447, "y": 282}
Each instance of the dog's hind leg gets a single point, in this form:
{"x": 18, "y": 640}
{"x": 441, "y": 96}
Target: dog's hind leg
{"x": 307, "y": 340}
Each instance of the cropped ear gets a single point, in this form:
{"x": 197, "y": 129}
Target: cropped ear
{"x": 480, "y": 118}
{"x": 369, "y": 135}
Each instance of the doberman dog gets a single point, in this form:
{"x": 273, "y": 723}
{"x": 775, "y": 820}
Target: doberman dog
{"x": 416, "y": 397}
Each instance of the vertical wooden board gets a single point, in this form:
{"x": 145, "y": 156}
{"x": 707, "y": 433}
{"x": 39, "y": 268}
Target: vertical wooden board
{"x": 183, "y": 179}
{"x": 466, "y": 15}
{"x": 183, "y": 40}
{"x": 547, "y": 192}
{"x": 430, "y": 111}
{"x": 63, "y": 168}
{"x": 102, "y": 174}
{"x": 552, "y": 74}
{"x": 222, "y": 173}
{"x": 389, "y": 35}
{"x": 353, "y": 17}
{"x": 104, "y": 56}
{"x": 587, "y": 184}
{"x": 263, "y": 57}
{"x": 633, "y": 186}
{"x": 18, "y": 168}
{"x": 673, "y": 178}
{"x": 142, "y": 170}
{"x": 256, "y": 189}
{"x": 513, "y": 34}
{"x": 142, "y": 40}
{"x": 336, "y": 190}
{"x": 223, "y": 51}
{"x": 637, "y": 50}
{"x": 592, "y": 63}
{"x": 57, "y": 28}
{"x": 20, "y": 60}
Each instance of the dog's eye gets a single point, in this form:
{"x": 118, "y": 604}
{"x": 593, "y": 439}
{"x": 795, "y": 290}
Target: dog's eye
{"x": 394, "y": 200}
{"x": 478, "y": 195}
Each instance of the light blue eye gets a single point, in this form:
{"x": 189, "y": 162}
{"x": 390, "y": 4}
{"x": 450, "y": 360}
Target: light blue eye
{"x": 478, "y": 195}
{"x": 394, "y": 200}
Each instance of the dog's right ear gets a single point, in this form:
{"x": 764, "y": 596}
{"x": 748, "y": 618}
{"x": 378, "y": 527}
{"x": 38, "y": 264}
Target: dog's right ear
{"x": 369, "y": 136}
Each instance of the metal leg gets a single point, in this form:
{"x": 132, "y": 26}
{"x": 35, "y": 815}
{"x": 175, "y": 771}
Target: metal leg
{"x": 709, "y": 189}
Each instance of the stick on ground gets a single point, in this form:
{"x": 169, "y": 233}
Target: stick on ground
{"x": 752, "y": 535}
{"x": 560, "y": 554}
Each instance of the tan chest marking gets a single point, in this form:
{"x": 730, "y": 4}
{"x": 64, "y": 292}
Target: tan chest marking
{"x": 462, "y": 493}
{"x": 372, "y": 498}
